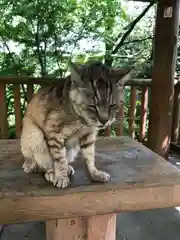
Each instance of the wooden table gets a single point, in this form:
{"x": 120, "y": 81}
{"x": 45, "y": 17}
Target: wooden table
{"x": 140, "y": 179}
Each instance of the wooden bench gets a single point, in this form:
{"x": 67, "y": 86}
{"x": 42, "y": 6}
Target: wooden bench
{"x": 140, "y": 179}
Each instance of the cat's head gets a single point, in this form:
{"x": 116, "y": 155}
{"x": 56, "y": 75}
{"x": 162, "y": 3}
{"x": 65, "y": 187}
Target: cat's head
{"x": 97, "y": 92}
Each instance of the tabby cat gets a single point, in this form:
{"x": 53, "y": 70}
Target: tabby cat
{"x": 64, "y": 118}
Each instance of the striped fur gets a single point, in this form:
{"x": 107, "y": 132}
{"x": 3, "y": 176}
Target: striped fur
{"x": 62, "y": 119}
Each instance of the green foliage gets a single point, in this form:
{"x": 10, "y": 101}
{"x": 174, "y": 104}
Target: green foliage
{"x": 38, "y": 38}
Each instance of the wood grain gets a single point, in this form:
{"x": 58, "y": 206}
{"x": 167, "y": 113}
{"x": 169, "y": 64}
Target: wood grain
{"x": 132, "y": 112}
{"x": 175, "y": 116}
{"x": 120, "y": 126}
{"x": 3, "y": 107}
{"x": 17, "y": 108}
{"x": 100, "y": 227}
{"x": 51, "y": 80}
{"x": 30, "y": 91}
{"x": 164, "y": 64}
{"x": 66, "y": 229}
{"x": 141, "y": 181}
{"x": 143, "y": 113}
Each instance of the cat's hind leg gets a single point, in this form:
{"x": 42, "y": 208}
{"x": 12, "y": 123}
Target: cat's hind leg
{"x": 35, "y": 150}
{"x": 29, "y": 165}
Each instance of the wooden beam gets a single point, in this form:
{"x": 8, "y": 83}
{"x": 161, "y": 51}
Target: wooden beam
{"x": 3, "y": 107}
{"x": 137, "y": 183}
{"x": 165, "y": 52}
{"x": 52, "y": 80}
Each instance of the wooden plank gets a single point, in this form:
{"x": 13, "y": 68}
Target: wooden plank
{"x": 3, "y": 118}
{"x": 28, "y": 79}
{"x": 132, "y": 112}
{"x": 52, "y": 80}
{"x": 66, "y": 229}
{"x": 165, "y": 52}
{"x": 108, "y": 131}
{"x": 30, "y": 91}
{"x": 140, "y": 179}
{"x": 120, "y": 122}
{"x": 143, "y": 115}
{"x": 17, "y": 109}
{"x": 101, "y": 227}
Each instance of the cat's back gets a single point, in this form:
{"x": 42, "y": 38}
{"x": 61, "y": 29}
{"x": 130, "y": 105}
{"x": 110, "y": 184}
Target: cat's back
{"x": 47, "y": 97}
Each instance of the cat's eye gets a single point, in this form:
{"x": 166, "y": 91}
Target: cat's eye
{"x": 113, "y": 106}
{"x": 92, "y": 107}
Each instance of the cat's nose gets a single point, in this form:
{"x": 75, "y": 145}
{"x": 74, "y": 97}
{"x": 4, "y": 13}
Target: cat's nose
{"x": 103, "y": 120}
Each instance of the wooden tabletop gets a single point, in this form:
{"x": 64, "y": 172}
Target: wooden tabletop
{"x": 140, "y": 179}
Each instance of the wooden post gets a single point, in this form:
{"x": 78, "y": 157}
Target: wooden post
{"x": 132, "y": 112}
{"x": 120, "y": 123}
{"x": 3, "y": 108}
{"x": 17, "y": 108}
{"x": 176, "y": 116}
{"x": 102, "y": 227}
{"x": 108, "y": 131}
{"x": 143, "y": 114}
{"x": 30, "y": 91}
{"x": 165, "y": 51}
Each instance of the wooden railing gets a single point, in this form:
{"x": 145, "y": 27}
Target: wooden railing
{"x": 135, "y": 111}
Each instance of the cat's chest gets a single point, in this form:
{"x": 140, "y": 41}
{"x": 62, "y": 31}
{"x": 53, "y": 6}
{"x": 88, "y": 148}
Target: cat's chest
{"x": 77, "y": 132}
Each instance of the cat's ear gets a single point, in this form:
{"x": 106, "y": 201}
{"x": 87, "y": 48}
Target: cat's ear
{"x": 121, "y": 75}
{"x": 75, "y": 70}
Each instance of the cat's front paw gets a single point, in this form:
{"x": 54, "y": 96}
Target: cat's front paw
{"x": 61, "y": 182}
{"x": 100, "y": 176}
